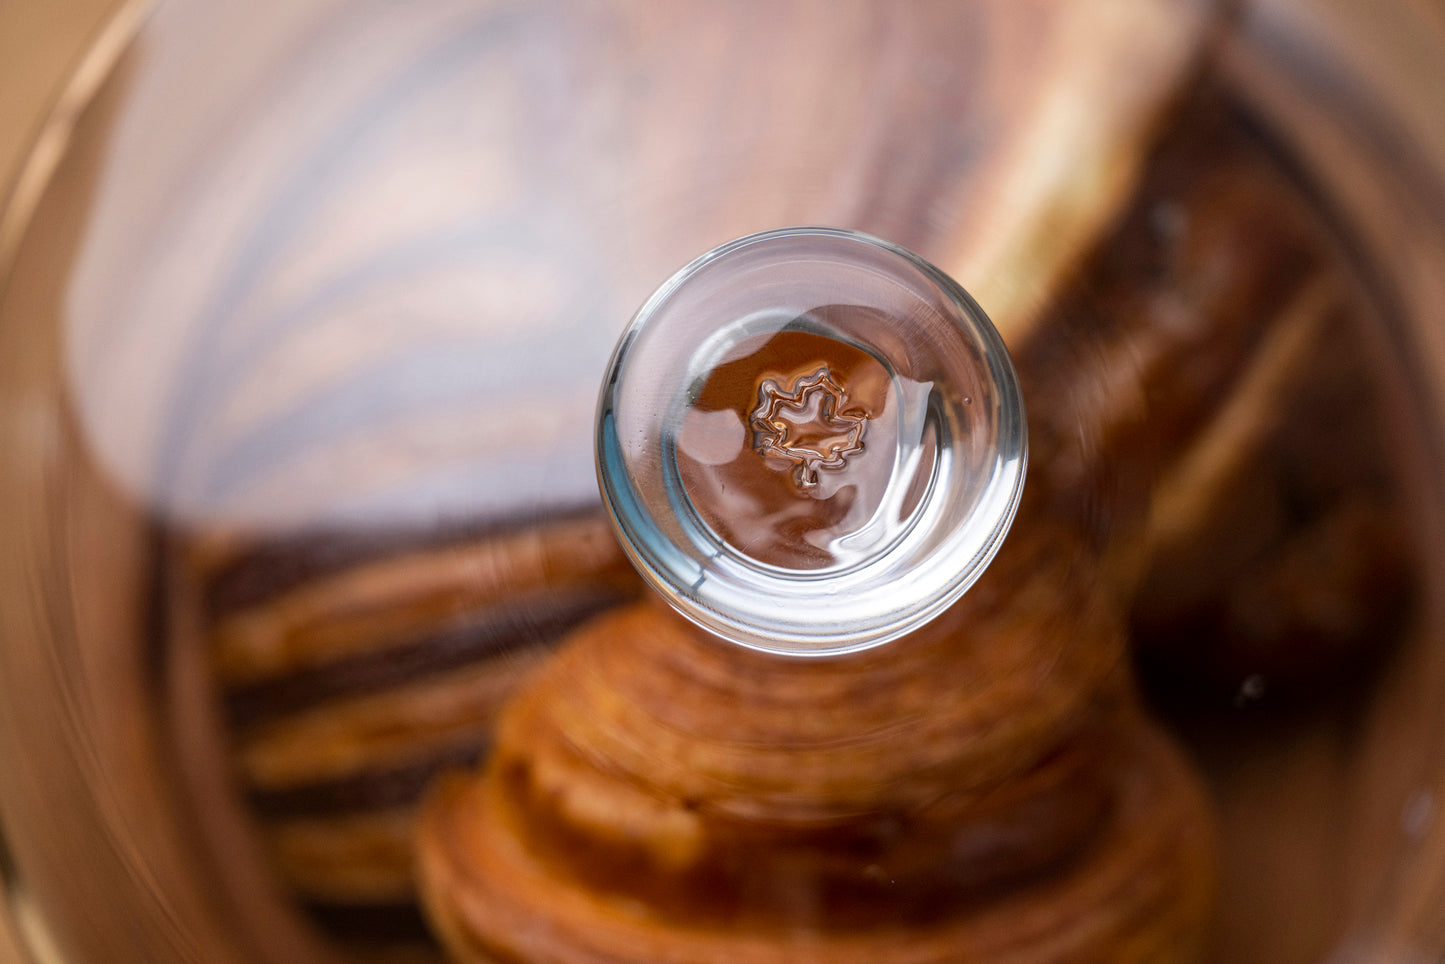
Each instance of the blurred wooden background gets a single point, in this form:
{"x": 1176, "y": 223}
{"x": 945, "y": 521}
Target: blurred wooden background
{"x": 40, "y": 41}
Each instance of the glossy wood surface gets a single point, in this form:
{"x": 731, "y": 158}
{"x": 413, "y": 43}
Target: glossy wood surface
{"x": 246, "y": 787}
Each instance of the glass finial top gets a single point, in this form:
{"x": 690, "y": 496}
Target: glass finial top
{"x": 811, "y": 441}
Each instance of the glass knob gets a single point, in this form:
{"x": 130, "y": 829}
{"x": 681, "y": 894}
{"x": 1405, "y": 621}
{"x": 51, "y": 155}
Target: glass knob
{"x": 811, "y": 441}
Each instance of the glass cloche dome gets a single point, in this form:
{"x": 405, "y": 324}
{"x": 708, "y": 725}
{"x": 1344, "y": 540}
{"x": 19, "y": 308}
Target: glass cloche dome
{"x": 320, "y": 641}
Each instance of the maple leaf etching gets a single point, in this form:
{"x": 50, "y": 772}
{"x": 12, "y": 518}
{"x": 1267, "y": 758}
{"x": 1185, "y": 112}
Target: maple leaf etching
{"x": 808, "y": 426}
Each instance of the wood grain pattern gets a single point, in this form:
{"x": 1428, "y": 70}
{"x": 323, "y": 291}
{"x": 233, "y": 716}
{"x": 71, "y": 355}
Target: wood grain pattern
{"x": 587, "y": 840}
{"x": 353, "y": 675}
{"x": 264, "y": 306}
{"x": 36, "y": 50}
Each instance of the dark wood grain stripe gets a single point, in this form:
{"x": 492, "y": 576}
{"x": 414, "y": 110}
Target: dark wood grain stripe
{"x": 393, "y": 922}
{"x": 368, "y": 790}
{"x": 535, "y": 621}
{"x": 287, "y": 562}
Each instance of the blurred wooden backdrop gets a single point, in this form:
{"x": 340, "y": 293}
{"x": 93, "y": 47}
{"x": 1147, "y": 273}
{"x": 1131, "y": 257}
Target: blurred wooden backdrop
{"x": 40, "y": 41}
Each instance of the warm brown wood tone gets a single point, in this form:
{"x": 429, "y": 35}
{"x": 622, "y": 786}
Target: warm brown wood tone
{"x": 38, "y": 44}
{"x": 351, "y": 675}
{"x": 579, "y": 844}
{"x": 1213, "y": 239}
{"x": 657, "y": 796}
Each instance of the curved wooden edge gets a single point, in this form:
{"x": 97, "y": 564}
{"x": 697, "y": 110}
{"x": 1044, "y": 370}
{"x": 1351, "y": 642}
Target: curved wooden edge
{"x": 18, "y": 201}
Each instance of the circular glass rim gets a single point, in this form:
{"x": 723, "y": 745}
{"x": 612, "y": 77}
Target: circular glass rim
{"x": 799, "y": 614}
